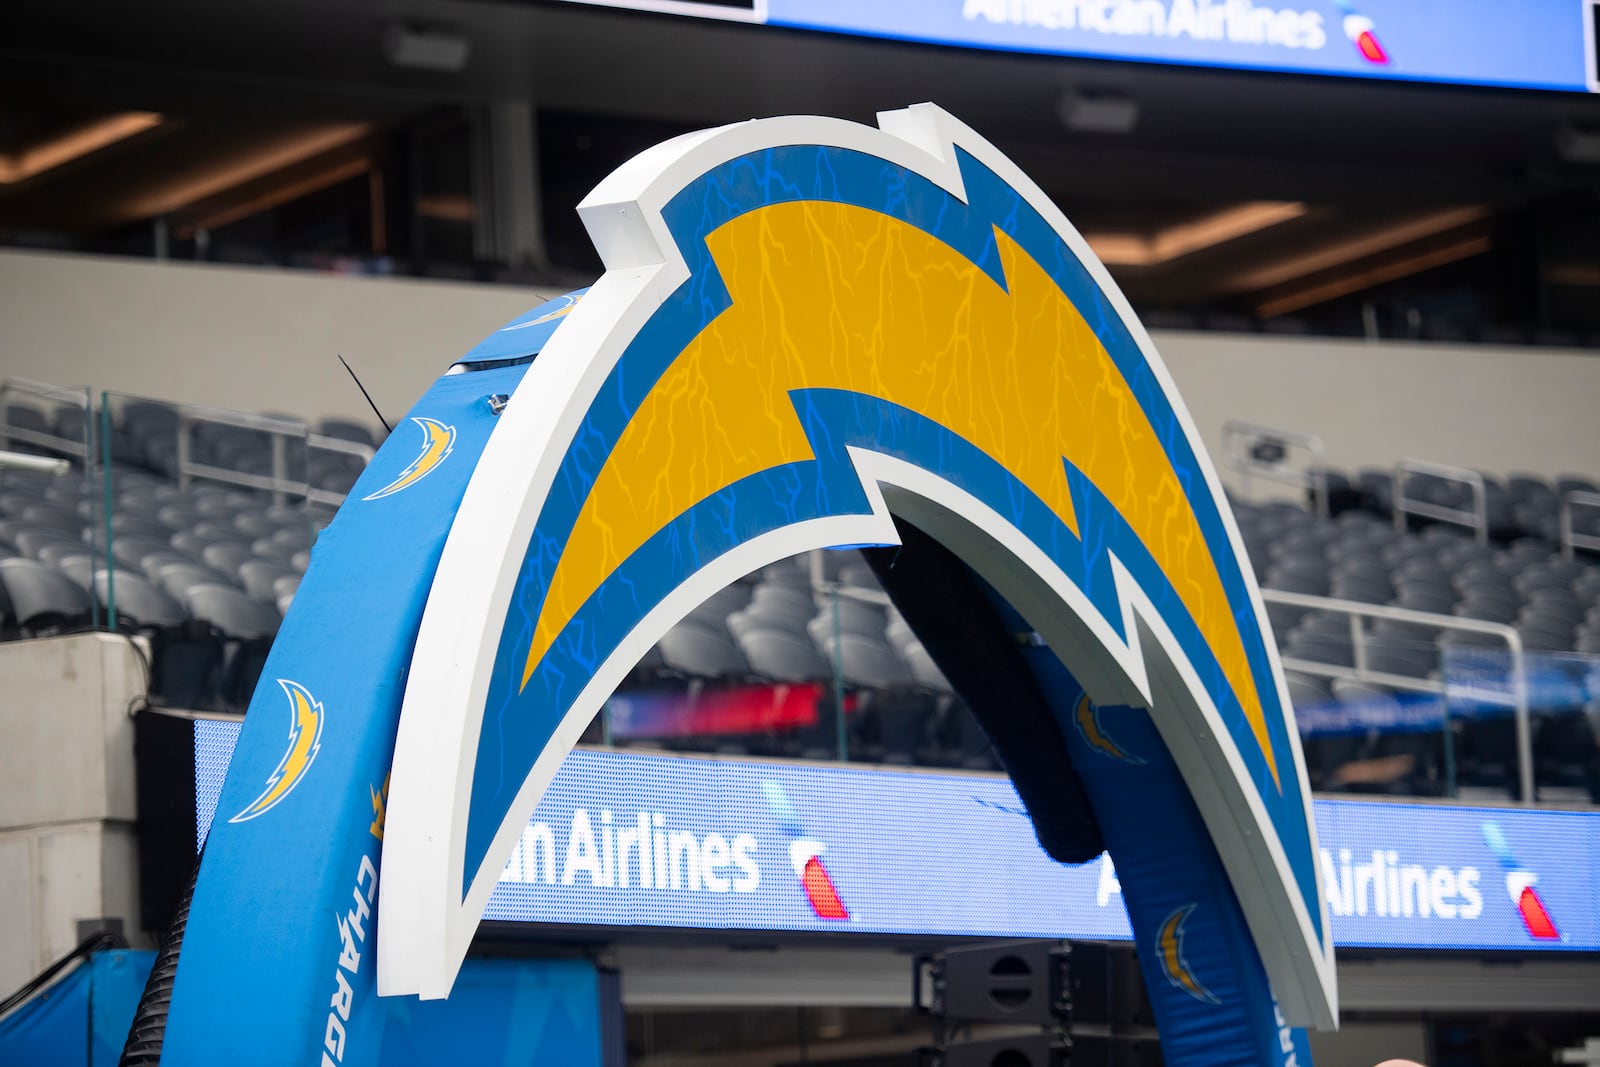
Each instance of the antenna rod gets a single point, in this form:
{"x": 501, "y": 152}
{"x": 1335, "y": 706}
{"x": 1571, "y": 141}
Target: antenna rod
{"x": 386, "y": 427}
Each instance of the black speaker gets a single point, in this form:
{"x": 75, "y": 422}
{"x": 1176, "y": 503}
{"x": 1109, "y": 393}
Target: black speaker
{"x": 1012, "y": 981}
{"x": 1106, "y": 987}
{"x": 1028, "y": 1050}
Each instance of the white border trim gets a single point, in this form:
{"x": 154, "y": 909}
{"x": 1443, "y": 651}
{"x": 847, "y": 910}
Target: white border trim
{"x": 423, "y": 932}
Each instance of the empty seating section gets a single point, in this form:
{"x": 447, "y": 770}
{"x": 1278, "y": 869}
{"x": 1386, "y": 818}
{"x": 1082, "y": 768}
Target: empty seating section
{"x": 202, "y": 559}
{"x": 1392, "y": 734}
{"x": 208, "y": 539}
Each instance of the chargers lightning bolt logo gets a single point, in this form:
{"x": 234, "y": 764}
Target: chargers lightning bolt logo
{"x": 809, "y": 328}
{"x": 1086, "y": 716}
{"x": 438, "y": 441}
{"x": 1169, "y": 949}
{"x": 305, "y": 741}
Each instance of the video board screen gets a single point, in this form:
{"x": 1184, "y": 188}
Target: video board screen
{"x": 647, "y": 840}
{"x": 1535, "y": 44}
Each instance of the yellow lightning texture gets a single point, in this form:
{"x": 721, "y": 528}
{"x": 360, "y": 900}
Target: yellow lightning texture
{"x": 1093, "y": 734}
{"x": 437, "y": 441}
{"x": 832, "y": 296}
{"x": 1172, "y": 955}
{"x": 296, "y": 759}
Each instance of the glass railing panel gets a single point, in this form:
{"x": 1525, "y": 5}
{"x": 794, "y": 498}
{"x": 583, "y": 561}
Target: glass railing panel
{"x": 1562, "y": 695}
{"x": 209, "y": 527}
{"x": 46, "y": 508}
{"x": 805, "y": 659}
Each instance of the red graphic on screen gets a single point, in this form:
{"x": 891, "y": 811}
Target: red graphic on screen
{"x": 1362, "y": 33}
{"x": 805, "y": 856}
{"x": 1534, "y": 915}
{"x": 1369, "y": 47}
{"x": 1520, "y": 883}
{"x": 820, "y": 891}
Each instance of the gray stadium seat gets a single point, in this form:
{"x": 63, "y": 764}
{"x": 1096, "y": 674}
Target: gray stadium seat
{"x": 701, "y": 651}
{"x": 859, "y": 575}
{"x": 924, "y": 671}
{"x": 261, "y": 577}
{"x": 224, "y": 557}
{"x": 866, "y": 662}
{"x": 779, "y": 604}
{"x": 782, "y": 655}
{"x": 33, "y": 540}
{"x": 346, "y": 430}
{"x": 271, "y": 548}
{"x": 724, "y": 602}
{"x": 253, "y": 524}
{"x": 138, "y": 601}
{"x": 178, "y": 579}
{"x": 230, "y": 611}
{"x": 848, "y": 616}
{"x": 130, "y": 550}
{"x": 43, "y": 600}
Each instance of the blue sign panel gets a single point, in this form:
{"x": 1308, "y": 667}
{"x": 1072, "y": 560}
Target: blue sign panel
{"x": 623, "y": 839}
{"x": 1536, "y": 44}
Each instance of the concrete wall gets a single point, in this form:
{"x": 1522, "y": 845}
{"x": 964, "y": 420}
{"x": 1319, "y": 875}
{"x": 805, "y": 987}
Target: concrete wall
{"x": 261, "y": 339}
{"x": 1498, "y": 409}
{"x": 248, "y": 338}
{"x": 67, "y": 798}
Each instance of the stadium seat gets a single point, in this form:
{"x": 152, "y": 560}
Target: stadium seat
{"x": 782, "y": 655}
{"x": 700, "y": 651}
{"x": 139, "y": 603}
{"x": 260, "y": 578}
{"x": 864, "y": 661}
{"x": 42, "y": 600}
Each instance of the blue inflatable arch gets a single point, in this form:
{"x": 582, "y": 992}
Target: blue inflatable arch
{"x": 810, "y": 333}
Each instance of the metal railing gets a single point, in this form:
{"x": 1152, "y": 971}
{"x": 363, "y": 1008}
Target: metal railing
{"x": 1477, "y": 518}
{"x": 1571, "y": 539}
{"x": 1356, "y": 611}
{"x": 23, "y": 388}
{"x": 280, "y": 433}
{"x": 25, "y": 461}
{"x": 1262, "y": 452}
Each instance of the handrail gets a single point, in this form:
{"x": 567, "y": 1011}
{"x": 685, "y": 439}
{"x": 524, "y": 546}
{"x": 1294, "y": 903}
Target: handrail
{"x": 1477, "y": 518}
{"x": 23, "y": 461}
{"x": 1361, "y": 673}
{"x": 280, "y": 432}
{"x": 1570, "y": 538}
{"x": 1237, "y": 435}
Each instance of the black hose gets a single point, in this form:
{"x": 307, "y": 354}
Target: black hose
{"x": 149, "y": 1029}
{"x": 946, "y": 606}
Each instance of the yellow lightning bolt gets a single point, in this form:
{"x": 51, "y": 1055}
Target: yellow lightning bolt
{"x": 438, "y": 439}
{"x": 1172, "y": 962}
{"x": 1089, "y": 723}
{"x": 834, "y": 296}
{"x": 304, "y": 737}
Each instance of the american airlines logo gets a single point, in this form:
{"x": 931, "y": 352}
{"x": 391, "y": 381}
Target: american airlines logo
{"x": 1233, "y": 21}
{"x": 1379, "y": 884}
{"x": 1387, "y": 887}
{"x": 600, "y": 849}
{"x": 603, "y": 852}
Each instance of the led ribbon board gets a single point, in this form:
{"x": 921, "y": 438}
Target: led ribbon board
{"x": 1533, "y": 44}
{"x": 806, "y": 328}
